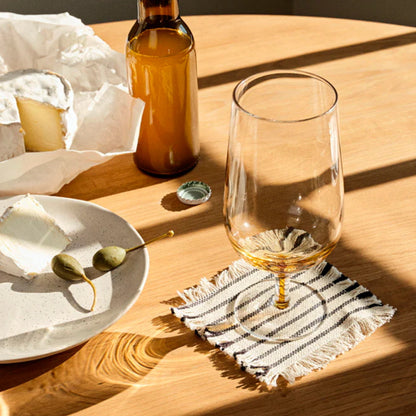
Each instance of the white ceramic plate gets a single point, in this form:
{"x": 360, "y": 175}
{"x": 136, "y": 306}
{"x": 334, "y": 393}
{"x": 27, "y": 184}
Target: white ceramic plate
{"x": 47, "y": 314}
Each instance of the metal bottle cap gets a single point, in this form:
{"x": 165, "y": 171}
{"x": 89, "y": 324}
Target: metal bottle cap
{"x": 193, "y": 192}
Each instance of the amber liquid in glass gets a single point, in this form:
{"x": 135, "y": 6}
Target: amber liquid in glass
{"x": 161, "y": 64}
{"x": 274, "y": 257}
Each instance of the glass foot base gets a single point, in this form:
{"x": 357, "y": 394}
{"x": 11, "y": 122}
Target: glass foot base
{"x": 256, "y": 312}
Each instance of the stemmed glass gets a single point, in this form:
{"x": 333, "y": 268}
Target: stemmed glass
{"x": 283, "y": 199}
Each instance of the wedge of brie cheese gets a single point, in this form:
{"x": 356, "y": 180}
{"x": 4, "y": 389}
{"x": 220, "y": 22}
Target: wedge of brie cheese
{"x": 29, "y": 238}
{"x": 44, "y": 102}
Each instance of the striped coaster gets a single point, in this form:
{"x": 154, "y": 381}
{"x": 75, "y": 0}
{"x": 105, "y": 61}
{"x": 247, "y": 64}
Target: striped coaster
{"x": 352, "y": 313}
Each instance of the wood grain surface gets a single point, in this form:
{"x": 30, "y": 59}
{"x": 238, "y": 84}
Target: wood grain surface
{"x": 149, "y": 363}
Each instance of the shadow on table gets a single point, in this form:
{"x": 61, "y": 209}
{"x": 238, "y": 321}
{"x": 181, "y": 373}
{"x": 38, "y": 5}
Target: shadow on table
{"x": 357, "y": 391}
{"x": 74, "y": 380}
{"x": 212, "y": 210}
{"x": 308, "y": 59}
{"x": 110, "y": 363}
{"x": 114, "y": 362}
{"x": 99, "y": 181}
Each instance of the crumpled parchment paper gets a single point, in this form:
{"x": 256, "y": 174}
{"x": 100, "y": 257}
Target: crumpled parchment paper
{"x": 108, "y": 117}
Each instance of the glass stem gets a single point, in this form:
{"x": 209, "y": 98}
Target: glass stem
{"x": 281, "y": 299}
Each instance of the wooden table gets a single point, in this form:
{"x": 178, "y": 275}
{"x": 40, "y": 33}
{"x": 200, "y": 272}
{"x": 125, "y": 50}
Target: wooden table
{"x": 148, "y": 363}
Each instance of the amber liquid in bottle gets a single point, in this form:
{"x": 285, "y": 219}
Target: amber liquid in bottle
{"x": 161, "y": 65}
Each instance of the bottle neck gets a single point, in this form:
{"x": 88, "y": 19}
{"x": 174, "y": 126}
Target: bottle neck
{"x": 149, "y": 10}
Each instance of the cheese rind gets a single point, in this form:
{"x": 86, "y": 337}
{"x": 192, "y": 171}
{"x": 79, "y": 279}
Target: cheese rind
{"x": 12, "y": 143}
{"x": 29, "y": 238}
{"x": 45, "y": 109}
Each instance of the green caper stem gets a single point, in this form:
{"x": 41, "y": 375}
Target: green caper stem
{"x": 170, "y": 233}
{"x": 93, "y": 289}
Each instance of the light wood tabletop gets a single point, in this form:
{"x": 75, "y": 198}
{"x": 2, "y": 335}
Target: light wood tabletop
{"x": 148, "y": 362}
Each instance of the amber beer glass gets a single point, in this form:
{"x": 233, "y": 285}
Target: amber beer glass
{"x": 161, "y": 65}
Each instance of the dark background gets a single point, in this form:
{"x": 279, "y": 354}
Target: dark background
{"x": 95, "y": 11}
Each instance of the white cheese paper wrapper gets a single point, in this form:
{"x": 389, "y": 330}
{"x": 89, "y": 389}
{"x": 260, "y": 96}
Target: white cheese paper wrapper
{"x": 108, "y": 117}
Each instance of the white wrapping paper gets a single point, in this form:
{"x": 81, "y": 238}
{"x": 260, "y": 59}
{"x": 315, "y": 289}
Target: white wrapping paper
{"x": 108, "y": 117}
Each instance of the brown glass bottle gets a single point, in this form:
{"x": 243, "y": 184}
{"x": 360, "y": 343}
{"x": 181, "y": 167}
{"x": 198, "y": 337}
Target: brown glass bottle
{"x": 161, "y": 65}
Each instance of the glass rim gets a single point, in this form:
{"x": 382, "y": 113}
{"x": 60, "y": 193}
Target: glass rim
{"x": 269, "y": 74}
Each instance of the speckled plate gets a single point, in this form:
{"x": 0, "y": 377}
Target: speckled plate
{"x": 47, "y": 314}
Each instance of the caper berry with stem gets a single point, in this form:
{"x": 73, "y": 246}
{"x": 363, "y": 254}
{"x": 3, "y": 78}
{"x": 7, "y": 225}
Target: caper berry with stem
{"x": 68, "y": 268}
{"x": 108, "y": 258}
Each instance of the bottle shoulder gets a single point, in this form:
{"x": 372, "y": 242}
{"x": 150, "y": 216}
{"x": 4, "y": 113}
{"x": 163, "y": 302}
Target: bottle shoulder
{"x": 160, "y": 22}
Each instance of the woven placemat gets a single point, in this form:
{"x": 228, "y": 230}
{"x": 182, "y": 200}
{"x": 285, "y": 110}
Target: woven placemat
{"x": 353, "y": 313}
